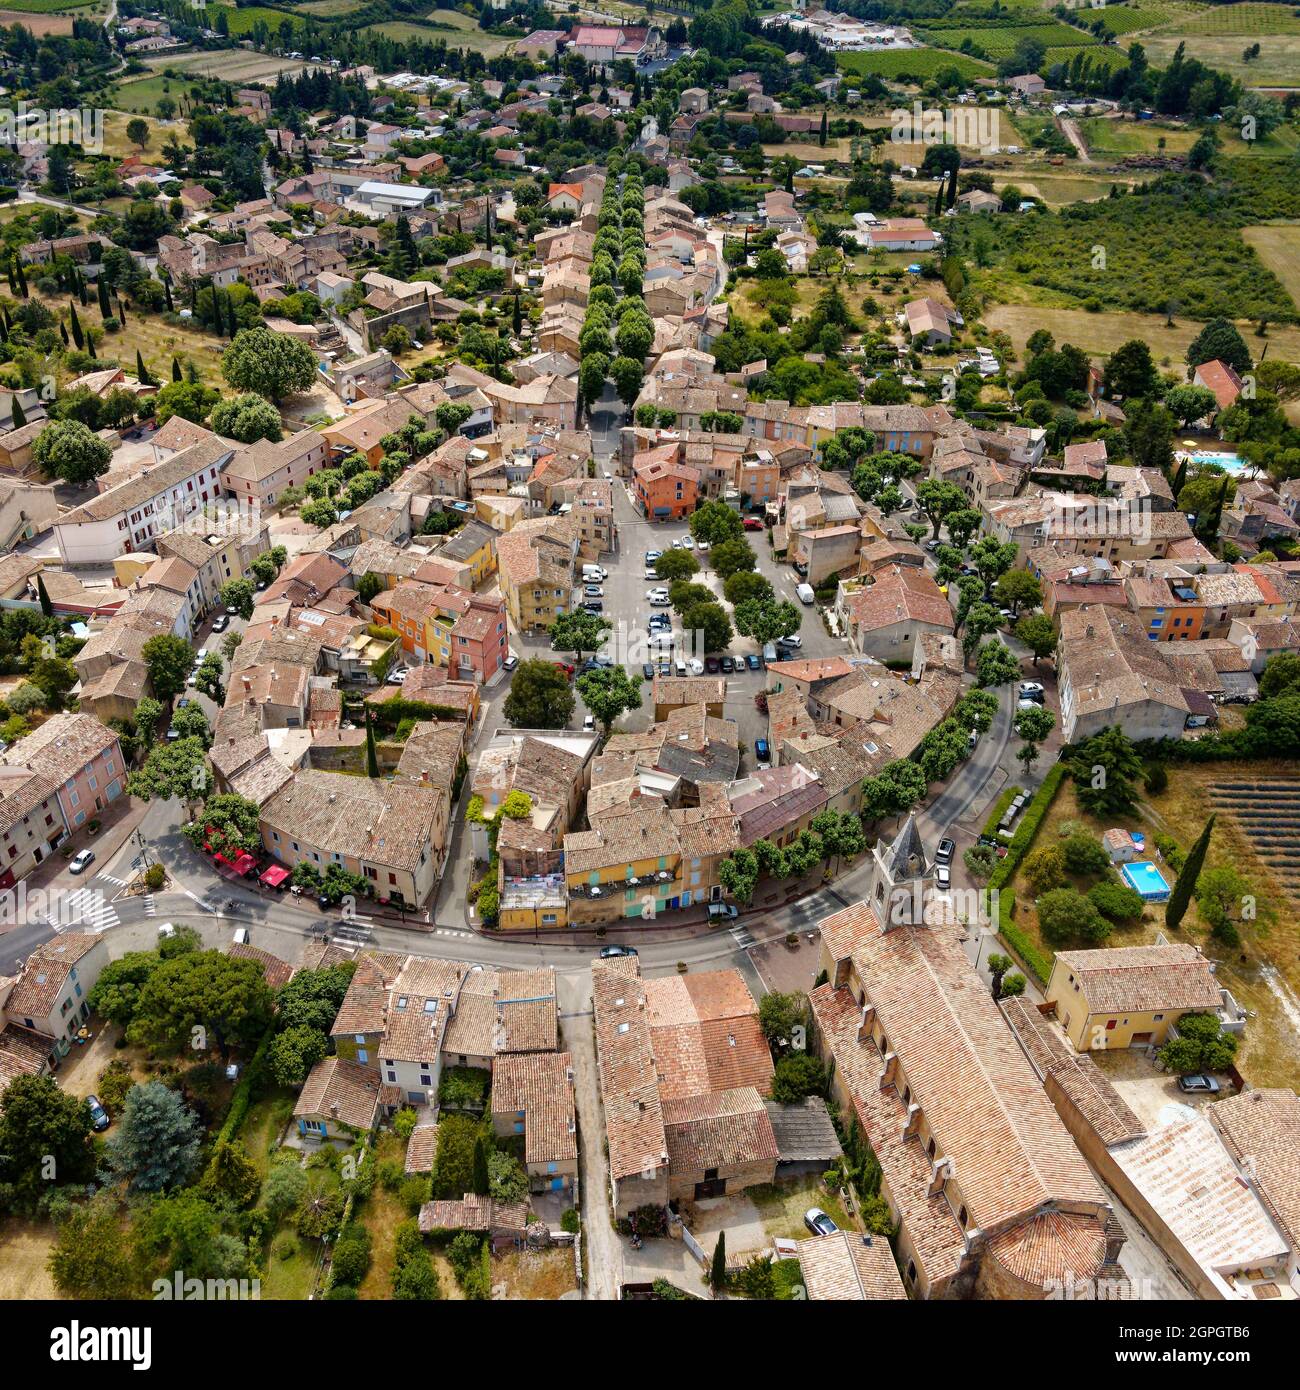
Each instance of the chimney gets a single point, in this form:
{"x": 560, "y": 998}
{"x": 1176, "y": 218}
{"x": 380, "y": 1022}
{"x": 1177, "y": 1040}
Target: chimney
{"x": 248, "y": 685}
{"x": 913, "y": 1123}
{"x": 334, "y": 1109}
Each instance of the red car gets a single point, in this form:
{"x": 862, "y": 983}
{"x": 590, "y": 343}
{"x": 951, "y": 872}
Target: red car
{"x": 752, "y": 523}
{"x": 565, "y": 667}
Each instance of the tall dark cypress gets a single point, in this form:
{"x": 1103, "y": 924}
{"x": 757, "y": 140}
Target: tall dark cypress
{"x": 1187, "y": 876}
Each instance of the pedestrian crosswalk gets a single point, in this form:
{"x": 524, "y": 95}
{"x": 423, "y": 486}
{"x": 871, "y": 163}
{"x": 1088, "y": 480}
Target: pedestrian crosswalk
{"x": 740, "y": 935}
{"x": 149, "y": 907}
{"x": 86, "y": 909}
{"x": 113, "y": 878}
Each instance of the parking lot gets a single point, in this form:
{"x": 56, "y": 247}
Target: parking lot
{"x": 625, "y": 605}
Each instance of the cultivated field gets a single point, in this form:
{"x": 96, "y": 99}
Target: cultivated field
{"x": 1107, "y": 137}
{"x": 51, "y": 6}
{"x": 1278, "y": 64}
{"x": 1001, "y": 41}
{"x": 329, "y": 9}
{"x": 39, "y": 24}
{"x": 1248, "y": 18}
{"x": 1278, "y": 246}
{"x": 1100, "y": 334}
{"x": 229, "y": 64}
{"x": 244, "y": 21}
{"x": 918, "y": 63}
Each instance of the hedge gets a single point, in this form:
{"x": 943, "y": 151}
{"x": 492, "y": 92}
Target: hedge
{"x": 1030, "y": 820}
{"x": 242, "y": 1098}
{"x": 1036, "y": 961}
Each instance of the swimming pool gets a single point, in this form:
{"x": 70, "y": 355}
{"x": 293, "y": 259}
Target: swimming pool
{"x": 1230, "y": 463}
{"x": 1146, "y": 879}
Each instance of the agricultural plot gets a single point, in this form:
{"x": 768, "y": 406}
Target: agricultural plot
{"x": 999, "y": 41}
{"x": 40, "y": 24}
{"x": 329, "y": 9}
{"x": 244, "y": 21}
{"x": 445, "y": 26}
{"x": 1095, "y": 54}
{"x": 1278, "y": 246}
{"x": 237, "y": 65}
{"x": 50, "y": 6}
{"x": 919, "y": 64}
{"x": 1248, "y": 18}
{"x": 1105, "y": 137}
{"x": 1277, "y": 65}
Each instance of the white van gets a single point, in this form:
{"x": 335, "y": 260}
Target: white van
{"x": 593, "y": 574}
{"x": 805, "y": 593}
{"x": 660, "y": 641}
{"x": 241, "y": 936}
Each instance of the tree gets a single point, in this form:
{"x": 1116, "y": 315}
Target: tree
{"x": 116, "y": 994}
{"x": 294, "y": 1052}
{"x": 156, "y": 1143}
{"x": 738, "y": 874}
{"x": 1130, "y": 371}
{"x": 999, "y": 967}
{"x": 232, "y": 1174}
{"x": 718, "y": 1267}
{"x": 1188, "y": 404}
{"x": 1148, "y": 433}
{"x": 177, "y": 769}
{"x": 937, "y": 500}
{"x": 91, "y": 1259}
{"x": 1038, "y": 633}
{"x": 733, "y": 556}
{"x": 992, "y": 560}
{"x": 895, "y": 789}
{"x": 1065, "y": 915}
{"x": 1044, "y": 868}
{"x": 208, "y": 676}
{"x": 1201, "y": 1045}
{"x": 579, "y": 631}
{"x": 540, "y": 696}
{"x": 273, "y": 364}
{"x": 796, "y": 1076}
{"x": 676, "y": 564}
{"x": 238, "y": 594}
{"x": 608, "y": 693}
{"x": 1105, "y": 770}
{"x": 66, "y": 449}
{"x": 247, "y": 418}
{"x": 627, "y": 375}
{"x": 40, "y": 1122}
{"x": 765, "y": 621}
{"x": 745, "y": 585}
{"x": 137, "y": 132}
{"x": 996, "y": 664}
{"x": 1116, "y": 901}
{"x": 709, "y": 624}
{"x": 203, "y": 997}
{"x": 1018, "y": 589}
{"x": 779, "y": 1015}
{"x": 191, "y": 400}
{"x": 1219, "y": 341}
{"x": 1185, "y": 885}
{"x": 169, "y": 660}
{"x": 715, "y": 522}
{"x": 229, "y": 823}
{"x": 313, "y": 997}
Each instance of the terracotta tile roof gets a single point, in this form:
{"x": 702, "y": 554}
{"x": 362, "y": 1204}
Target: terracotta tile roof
{"x": 634, "y": 1122}
{"x": 343, "y": 1091}
{"x": 1264, "y": 1126}
{"x": 705, "y": 1034}
{"x": 1138, "y": 979}
{"x": 473, "y": 1213}
{"x": 906, "y": 595}
{"x": 45, "y": 972}
{"x": 540, "y": 1085}
{"x": 276, "y": 972}
{"x": 721, "y": 1129}
{"x": 849, "y": 1266}
{"x": 421, "y": 1148}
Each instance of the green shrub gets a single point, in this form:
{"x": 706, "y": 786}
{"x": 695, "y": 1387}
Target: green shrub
{"x": 1030, "y": 820}
{"x": 352, "y": 1256}
{"x": 404, "y": 1123}
{"x": 569, "y": 1221}
{"x": 1117, "y": 901}
{"x": 1037, "y": 962}
{"x": 1084, "y": 854}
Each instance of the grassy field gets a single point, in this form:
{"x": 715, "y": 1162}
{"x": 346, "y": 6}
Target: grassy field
{"x": 1101, "y": 334}
{"x": 116, "y": 142}
{"x": 237, "y": 65}
{"x": 1278, "y": 64}
{"x": 39, "y": 24}
{"x": 1278, "y": 246}
{"x": 329, "y": 9}
{"x": 244, "y": 21}
{"x": 919, "y": 63}
{"x": 1247, "y": 18}
{"x": 1114, "y": 138}
{"x": 1000, "y": 41}
{"x": 24, "y": 1248}
{"x": 50, "y": 6}
{"x": 1058, "y": 190}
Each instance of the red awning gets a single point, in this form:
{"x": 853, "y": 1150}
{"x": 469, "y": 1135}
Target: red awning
{"x": 275, "y": 876}
{"x": 243, "y": 863}
{"x": 220, "y": 858}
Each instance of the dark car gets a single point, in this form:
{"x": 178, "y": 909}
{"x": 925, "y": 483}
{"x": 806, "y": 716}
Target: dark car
{"x": 943, "y": 855}
{"x": 591, "y": 664}
{"x": 665, "y": 667}
{"x": 647, "y": 670}
{"x": 595, "y": 606}
{"x": 712, "y": 665}
{"x": 754, "y": 662}
{"x": 323, "y": 902}
{"x": 1199, "y": 1084}
{"x": 728, "y": 665}
{"x": 608, "y": 952}
{"x": 98, "y": 1115}
{"x": 762, "y": 750}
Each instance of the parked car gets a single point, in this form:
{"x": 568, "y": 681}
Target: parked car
{"x": 610, "y": 952}
{"x": 712, "y": 665}
{"x": 702, "y": 547}
{"x": 510, "y": 662}
{"x": 220, "y": 623}
{"x": 323, "y": 902}
{"x": 1199, "y": 1084}
{"x": 791, "y": 643}
{"x": 665, "y": 666}
{"x": 588, "y": 723}
{"x": 232, "y": 610}
{"x": 722, "y": 912}
{"x": 657, "y": 595}
{"x": 818, "y": 1222}
{"x": 593, "y": 590}
{"x": 565, "y": 667}
{"x": 396, "y": 677}
{"x": 695, "y": 666}
{"x": 753, "y": 523}
{"x": 762, "y": 750}
{"x": 1030, "y": 702}
{"x": 647, "y": 670}
{"x": 942, "y": 877}
{"x": 1031, "y": 690}
{"x": 652, "y": 555}
{"x": 688, "y": 542}
{"x": 591, "y": 664}
{"x": 728, "y": 665}
{"x": 943, "y": 855}
{"x": 99, "y": 1120}
{"x": 594, "y": 605}
{"x": 81, "y": 861}
{"x": 753, "y": 662}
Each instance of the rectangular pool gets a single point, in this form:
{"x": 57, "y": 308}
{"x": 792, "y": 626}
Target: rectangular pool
{"x": 1146, "y": 879}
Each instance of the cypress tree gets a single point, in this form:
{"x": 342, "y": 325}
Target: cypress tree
{"x": 22, "y": 277}
{"x": 519, "y": 318}
{"x": 1179, "y": 478}
{"x": 167, "y": 290}
{"x": 821, "y": 138}
{"x": 46, "y": 606}
{"x": 718, "y": 1270}
{"x": 82, "y": 293}
{"x": 63, "y": 332}
{"x": 141, "y": 371}
{"x": 119, "y": 310}
{"x": 1190, "y": 872}
{"x": 372, "y": 758}
{"x": 90, "y": 348}
{"x": 13, "y": 283}
{"x": 105, "y": 310}
{"x": 176, "y": 370}
{"x": 78, "y": 336}
{"x": 19, "y": 414}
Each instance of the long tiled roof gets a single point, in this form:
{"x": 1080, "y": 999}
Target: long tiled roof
{"x": 705, "y": 1034}
{"x": 541, "y": 1085}
{"x": 1138, "y": 979}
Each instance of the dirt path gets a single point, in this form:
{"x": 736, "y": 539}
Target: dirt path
{"x": 1071, "y": 132}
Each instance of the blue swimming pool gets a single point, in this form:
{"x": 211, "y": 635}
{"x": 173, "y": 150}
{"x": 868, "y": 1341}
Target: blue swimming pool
{"x": 1230, "y": 463}
{"x": 1147, "y": 879}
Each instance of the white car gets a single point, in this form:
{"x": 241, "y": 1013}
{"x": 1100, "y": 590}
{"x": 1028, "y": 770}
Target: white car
{"x": 793, "y": 642}
{"x": 702, "y": 547}
{"x": 81, "y": 861}
{"x": 942, "y": 877}
{"x": 695, "y": 666}
{"x": 688, "y": 542}
{"x": 657, "y": 595}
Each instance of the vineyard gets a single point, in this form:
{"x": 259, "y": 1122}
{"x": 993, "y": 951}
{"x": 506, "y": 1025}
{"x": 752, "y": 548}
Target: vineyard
{"x": 1247, "y": 19}
{"x": 918, "y": 63}
{"x": 1000, "y": 40}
